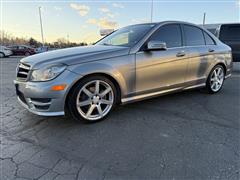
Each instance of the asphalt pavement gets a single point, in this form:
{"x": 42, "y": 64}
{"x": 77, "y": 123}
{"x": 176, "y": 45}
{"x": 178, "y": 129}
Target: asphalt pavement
{"x": 187, "y": 135}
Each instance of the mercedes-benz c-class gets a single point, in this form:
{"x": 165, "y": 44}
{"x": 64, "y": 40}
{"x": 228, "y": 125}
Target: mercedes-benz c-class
{"x": 133, "y": 63}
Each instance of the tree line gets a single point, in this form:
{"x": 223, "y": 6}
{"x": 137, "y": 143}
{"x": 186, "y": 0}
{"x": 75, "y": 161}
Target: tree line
{"x": 7, "y": 39}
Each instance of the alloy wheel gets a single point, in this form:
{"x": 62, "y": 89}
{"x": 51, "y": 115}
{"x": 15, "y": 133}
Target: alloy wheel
{"x": 217, "y": 79}
{"x": 95, "y": 100}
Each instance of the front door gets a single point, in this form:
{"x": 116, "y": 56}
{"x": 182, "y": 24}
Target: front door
{"x": 162, "y": 69}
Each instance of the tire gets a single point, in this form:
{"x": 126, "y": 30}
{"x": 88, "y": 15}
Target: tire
{"x": 90, "y": 104}
{"x": 27, "y": 54}
{"x": 2, "y": 55}
{"x": 217, "y": 80}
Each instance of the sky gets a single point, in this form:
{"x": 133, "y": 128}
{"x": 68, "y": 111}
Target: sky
{"x": 81, "y": 21}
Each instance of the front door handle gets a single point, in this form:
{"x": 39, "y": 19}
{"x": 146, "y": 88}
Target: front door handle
{"x": 181, "y": 54}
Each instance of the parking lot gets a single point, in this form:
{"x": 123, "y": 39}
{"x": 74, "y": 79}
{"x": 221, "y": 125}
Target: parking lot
{"x": 187, "y": 135}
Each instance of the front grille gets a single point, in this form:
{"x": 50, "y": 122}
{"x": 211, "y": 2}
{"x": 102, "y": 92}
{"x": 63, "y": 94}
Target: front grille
{"x": 42, "y": 107}
{"x": 23, "y": 71}
{"x": 41, "y": 100}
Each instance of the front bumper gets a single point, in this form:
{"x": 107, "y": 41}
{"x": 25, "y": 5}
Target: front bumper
{"x": 38, "y": 98}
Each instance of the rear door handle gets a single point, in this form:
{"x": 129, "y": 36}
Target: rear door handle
{"x": 181, "y": 54}
{"x": 210, "y": 50}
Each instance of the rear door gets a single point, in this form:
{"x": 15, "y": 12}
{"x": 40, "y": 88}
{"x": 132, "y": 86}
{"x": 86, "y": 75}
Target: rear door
{"x": 200, "y": 55}
{"x": 230, "y": 35}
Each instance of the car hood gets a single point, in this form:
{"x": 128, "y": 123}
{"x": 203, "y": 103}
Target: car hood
{"x": 75, "y": 55}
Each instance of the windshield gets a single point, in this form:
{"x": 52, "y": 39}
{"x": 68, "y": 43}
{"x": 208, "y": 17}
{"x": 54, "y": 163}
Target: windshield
{"x": 127, "y": 36}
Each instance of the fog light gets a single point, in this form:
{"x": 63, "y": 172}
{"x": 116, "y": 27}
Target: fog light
{"x": 59, "y": 87}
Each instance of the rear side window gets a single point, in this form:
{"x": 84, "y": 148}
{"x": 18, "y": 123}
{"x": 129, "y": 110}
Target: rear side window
{"x": 170, "y": 34}
{"x": 193, "y": 36}
{"x": 229, "y": 32}
{"x": 208, "y": 39}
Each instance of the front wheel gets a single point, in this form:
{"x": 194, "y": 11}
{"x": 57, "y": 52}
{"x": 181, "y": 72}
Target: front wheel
{"x": 2, "y": 55}
{"x": 215, "y": 79}
{"x": 92, "y": 99}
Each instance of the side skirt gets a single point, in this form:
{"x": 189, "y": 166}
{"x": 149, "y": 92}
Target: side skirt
{"x": 154, "y": 94}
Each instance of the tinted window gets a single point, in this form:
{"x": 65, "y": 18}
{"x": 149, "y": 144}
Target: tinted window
{"x": 230, "y": 32}
{"x": 208, "y": 39}
{"x": 170, "y": 34}
{"x": 193, "y": 35}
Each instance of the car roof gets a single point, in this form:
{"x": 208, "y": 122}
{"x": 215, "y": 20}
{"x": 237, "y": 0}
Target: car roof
{"x": 177, "y": 22}
{"x": 166, "y": 22}
{"x": 24, "y": 46}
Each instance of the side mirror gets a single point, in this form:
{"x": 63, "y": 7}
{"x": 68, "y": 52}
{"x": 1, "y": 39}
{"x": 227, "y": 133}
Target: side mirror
{"x": 156, "y": 45}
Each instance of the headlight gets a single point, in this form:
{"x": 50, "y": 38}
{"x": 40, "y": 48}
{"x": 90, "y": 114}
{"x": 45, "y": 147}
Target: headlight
{"x": 47, "y": 73}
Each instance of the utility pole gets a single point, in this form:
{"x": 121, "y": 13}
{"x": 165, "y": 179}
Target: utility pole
{"x": 152, "y": 11}
{"x": 40, "y": 16}
{"x": 68, "y": 38}
{"x": 204, "y": 18}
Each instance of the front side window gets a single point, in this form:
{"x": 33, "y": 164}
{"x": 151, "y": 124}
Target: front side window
{"x": 193, "y": 36}
{"x": 127, "y": 36}
{"x": 208, "y": 39}
{"x": 170, "y": 34}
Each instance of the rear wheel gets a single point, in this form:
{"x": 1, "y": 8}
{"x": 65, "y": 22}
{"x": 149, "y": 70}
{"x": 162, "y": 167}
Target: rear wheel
{"x": 27, "y": 54}
{"x": 215, "y": 79}
{"x": 92, "y": 99}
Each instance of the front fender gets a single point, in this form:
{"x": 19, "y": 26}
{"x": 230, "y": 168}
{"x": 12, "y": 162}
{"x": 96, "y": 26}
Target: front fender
{"x": 122, "y": 70}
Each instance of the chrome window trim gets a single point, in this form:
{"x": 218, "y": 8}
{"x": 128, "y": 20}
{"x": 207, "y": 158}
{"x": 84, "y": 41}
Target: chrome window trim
{"x": 137, "y": 47}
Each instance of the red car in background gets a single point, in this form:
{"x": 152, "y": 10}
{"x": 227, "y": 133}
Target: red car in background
{"x": 22, "y": 50}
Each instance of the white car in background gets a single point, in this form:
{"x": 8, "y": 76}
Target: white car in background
{"x": 5, "y": 52}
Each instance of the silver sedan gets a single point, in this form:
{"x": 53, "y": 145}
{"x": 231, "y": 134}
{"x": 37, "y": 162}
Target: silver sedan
{"x": 131, "y": 64}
